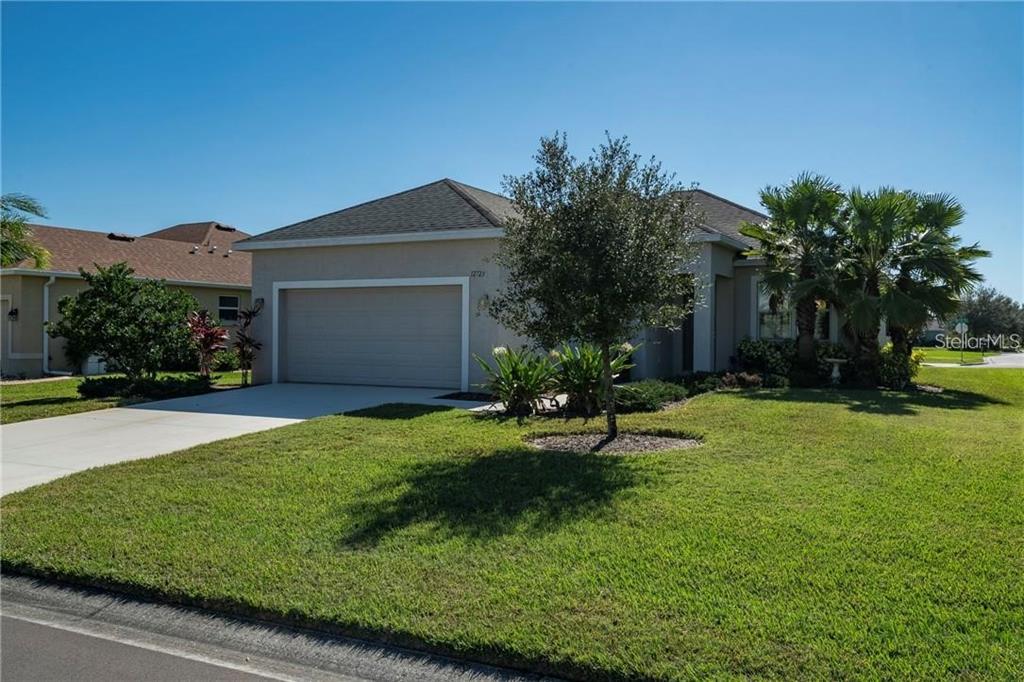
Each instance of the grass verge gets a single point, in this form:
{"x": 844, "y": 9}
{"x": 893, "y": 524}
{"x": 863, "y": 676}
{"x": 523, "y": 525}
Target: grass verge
{"x": 948, "y": 355}
{"x": 816, "y": 533}
{"x": 37, "y": 400}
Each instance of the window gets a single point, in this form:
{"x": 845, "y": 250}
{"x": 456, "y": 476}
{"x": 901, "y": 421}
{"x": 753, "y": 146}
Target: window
{"x": 777, "y": 325}
{"x": 227, "y": 309}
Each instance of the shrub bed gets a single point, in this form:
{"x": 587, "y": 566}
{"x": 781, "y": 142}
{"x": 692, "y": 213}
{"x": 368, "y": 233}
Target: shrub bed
{"x": 152, "y": 389}
{"x": 648, "y": 395}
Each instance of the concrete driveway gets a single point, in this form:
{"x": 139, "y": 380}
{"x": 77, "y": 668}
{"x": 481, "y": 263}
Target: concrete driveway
{"x": 41, "y": 450}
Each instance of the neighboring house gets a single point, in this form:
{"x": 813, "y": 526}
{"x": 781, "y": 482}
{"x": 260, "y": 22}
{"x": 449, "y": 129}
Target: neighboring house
{"x": 198, "y": 257}
{"x": 394, "y": 292}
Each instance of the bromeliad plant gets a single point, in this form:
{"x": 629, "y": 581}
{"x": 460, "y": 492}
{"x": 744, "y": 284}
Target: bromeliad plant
{"x": 579, "y": 373}
{"x": 207, "y": 338}
{"x": 521, "y": 379}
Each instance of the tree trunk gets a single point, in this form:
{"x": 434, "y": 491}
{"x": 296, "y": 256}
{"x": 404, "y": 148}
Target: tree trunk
{"x": 609, "y": 390}
{"x": 868, "y": 353}
{"x": 868, "y": 357}
{"x": 806, "y": 316}
{"x": 900, "y": 341}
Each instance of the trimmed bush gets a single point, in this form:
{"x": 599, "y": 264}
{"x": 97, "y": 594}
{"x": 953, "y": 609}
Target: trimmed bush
{"x": 896, "y": 371}
{"x": 152, "y": 389}
{"x": 775, "y": 381}
{"x": 226, "y": 361}
{"x": 741, "y": 380}
{"x": 648, "y": 395}
{"x": 766, "y": 357}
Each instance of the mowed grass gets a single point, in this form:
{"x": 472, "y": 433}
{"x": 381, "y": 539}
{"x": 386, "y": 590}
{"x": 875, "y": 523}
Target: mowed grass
{"x": 948, "y": 355}
{"x": 815, "y": 534}
{"x": 39, "y": 399}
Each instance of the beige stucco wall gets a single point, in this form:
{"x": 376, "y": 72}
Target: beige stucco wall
{"x": 721, "y": 319}
{"x": 661, "y": 354}
{"x": 452, "y": 258}
{"x": 26, "y": 334}
{"x": 745, "y": 302}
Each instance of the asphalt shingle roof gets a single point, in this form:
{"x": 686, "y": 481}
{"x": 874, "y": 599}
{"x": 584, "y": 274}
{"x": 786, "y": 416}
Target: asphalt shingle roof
{"x": 441, "y": 205}
{"x": 172, "y": 259}
{"x": 724, "y": 216}
{"x": 450, "y": 205}
{"x": 208, "y": 233}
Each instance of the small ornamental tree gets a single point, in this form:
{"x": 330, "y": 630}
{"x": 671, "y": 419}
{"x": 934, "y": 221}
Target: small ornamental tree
{"x": 207, "y": 338}
{"x": 132, "y": 324}
{"x": 596, "y": 250}
{"x": 245, "y": 344}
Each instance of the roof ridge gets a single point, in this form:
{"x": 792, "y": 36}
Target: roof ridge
{"x": 103, "y": 233}
{"x": 460, "y": 189}
{"x": 209, "y": 233}
{"x": 348, "y": 208}
{"x": 726, "y": 201}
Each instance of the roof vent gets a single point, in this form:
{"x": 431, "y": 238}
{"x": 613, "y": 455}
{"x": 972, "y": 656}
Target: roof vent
{"x": 229, "y": 252}
{"x": 226, "y": 228}
{"x": 119, "y": 237}
{"x": 195, "y": 248}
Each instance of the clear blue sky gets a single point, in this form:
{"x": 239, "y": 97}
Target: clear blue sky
{"x": 132, "y": 117}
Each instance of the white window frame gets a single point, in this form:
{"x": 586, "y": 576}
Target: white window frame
{"x": 236, "y": 307}
{"x": 278, "y": 287}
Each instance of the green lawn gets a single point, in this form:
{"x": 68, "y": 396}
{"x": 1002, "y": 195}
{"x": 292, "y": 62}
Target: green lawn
{"x": 34, "y": 400}
{"x": 815, "y": 534}
{"x": 948, "y": 355}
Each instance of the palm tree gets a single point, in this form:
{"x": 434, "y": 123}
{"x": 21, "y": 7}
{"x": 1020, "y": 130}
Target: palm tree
{"x": 16, "y": 242}
{"x": 796, "y": 242}
{"x": 900, "y": 261}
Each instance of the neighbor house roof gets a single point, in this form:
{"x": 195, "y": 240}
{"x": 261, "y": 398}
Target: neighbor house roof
{"x": 169, "y": 259}
{"x": 447, "y": 205}
{"x": 209, "y": 233}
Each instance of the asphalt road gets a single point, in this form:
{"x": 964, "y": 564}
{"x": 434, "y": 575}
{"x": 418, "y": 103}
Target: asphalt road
{"x": 51, "y": 631}
{"x": 33, "y": 651}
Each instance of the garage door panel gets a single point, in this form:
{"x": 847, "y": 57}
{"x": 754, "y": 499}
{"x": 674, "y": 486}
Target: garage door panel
{"x": 388, "y": 336}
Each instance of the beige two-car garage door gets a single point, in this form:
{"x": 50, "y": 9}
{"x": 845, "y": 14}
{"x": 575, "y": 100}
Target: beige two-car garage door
{"x": 378, "y": 336}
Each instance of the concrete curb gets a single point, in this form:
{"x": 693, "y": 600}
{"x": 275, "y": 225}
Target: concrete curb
{"x": 244, "y": 644}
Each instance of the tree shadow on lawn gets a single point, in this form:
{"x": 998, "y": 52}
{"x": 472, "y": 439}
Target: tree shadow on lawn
{"x": 880, "y": 402}
{"x": 42, "y": 401}
{"x": 398, "y": 411}
{"x": 516, "y": 489}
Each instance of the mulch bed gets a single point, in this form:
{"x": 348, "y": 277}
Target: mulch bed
{"x": 626, "y": 442}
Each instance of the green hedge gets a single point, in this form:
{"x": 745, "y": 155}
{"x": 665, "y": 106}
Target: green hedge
{"x": 153, "y": 389}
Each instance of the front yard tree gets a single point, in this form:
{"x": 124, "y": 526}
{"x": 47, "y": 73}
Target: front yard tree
{"x": 796, "y": 243}
{"x": 597, "y": 249}
{"x": 132, "y": 324}
{"x": 900, "y": 261}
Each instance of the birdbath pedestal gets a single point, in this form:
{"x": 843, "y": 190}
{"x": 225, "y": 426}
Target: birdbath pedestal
{"x": 836, "y": 362}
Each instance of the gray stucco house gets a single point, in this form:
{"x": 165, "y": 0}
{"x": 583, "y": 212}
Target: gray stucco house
{"x": 394, "y": 292}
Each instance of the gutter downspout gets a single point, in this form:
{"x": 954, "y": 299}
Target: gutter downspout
{"x": 46, "y": 337}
